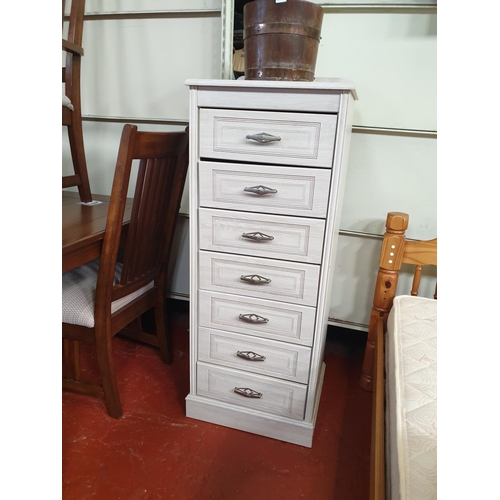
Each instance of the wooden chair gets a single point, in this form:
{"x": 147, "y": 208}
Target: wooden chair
{"x": 396, "y": 251}
{"x": 71, "y": 106}
{"x": 101, "y": 298}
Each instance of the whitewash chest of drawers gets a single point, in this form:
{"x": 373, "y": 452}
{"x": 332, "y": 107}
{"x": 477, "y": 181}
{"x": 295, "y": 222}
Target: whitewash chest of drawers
{"x": 267, "y": 168}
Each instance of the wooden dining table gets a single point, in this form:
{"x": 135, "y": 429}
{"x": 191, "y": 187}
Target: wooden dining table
{"x": 83, "y": 228}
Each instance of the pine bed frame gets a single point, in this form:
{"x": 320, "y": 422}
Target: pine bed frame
{"x": 396, "y": 251}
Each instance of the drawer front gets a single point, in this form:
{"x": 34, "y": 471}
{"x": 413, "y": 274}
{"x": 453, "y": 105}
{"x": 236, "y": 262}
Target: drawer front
{"x": 301, "y": 138}
{"x": 261, "y": 278}
{"x": 262, "y": 235}
{"x": 272, "y": 99}
{"x": 265, "y": 189}
{"x": 277, "y": 397}
{"x": 257, "y": 317}
{"x": 251, "y": 354}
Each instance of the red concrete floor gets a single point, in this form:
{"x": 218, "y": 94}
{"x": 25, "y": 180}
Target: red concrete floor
{"x": 154, "y": 452}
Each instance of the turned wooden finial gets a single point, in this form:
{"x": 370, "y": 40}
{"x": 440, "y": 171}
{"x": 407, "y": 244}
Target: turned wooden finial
{"x": 391, "y": 257}
{"x": 392, "y": 251}
{"x": 397, "y": 221}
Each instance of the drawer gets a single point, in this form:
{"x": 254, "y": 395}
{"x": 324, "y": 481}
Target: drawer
{"x": 262, "y": 235}
{"x": 255, "y": 355}
{"x": 265, "y": 189}
{"x": 257, "y": 317}
{"x": 261, "y": 278}
{"x": 278, "y": 397}
{"x": 302, "y": 139}
{"x": 283, "y": 99}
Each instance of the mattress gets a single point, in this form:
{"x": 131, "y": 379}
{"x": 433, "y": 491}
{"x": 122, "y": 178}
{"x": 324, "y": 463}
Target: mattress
{"x": 411, "y": 394}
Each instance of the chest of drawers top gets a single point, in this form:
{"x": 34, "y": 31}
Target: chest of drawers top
{"x": 319, "y": 96}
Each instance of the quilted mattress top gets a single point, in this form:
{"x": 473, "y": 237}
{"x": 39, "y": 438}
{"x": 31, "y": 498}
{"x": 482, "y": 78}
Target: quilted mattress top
{"x": 411, "y": 364}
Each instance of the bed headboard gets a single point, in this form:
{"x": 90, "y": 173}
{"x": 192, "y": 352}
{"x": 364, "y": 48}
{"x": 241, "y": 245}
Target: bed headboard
{"x": 396, "y": 251}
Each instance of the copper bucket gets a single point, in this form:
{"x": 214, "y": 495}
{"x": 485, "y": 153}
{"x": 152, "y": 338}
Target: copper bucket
{"x": 281, "y": 40}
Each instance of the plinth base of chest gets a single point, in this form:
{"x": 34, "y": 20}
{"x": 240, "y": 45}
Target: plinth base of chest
{"x": 255, "y": 422}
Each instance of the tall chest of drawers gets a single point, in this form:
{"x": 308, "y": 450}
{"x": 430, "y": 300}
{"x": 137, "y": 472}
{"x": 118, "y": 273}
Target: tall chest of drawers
{"x": 267, "y": 168}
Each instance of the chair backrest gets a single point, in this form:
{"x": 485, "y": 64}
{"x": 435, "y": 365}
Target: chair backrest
{"x": 72, "y": 45}
{"x": 163, "y": 163}
{"x": 75, "y": 27}
{"x": 72, "y": 108}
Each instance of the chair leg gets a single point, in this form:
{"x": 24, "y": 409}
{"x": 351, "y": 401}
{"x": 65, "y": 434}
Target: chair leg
{"x": 68, "y": 366}
{"x": 107, "y": 372}
{"x": 71, "y": 358}
{"x": 137, "y": 324}
{"x": 75, "y": 134}
{"x": 76, "y": 359}
{"x": 163, "y": 332}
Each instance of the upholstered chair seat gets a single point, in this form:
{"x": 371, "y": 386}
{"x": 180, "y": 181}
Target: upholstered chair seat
{"x": 66, "y": 101}
{"x": 78, "y": 294}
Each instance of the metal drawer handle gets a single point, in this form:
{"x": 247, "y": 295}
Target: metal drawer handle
{"x": 248, "y": 393}
{"x": 264, "y": 138}
{"x": 250, "y": 356}
{"x": 255, "y": 279}
{"x": 260, "y": 190}
{"x": 253, "y": 318}
{"x": 257, "y": 236}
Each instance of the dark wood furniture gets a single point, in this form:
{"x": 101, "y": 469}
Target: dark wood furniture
{"x": 83, "y": 228}
{"x": 72, "y": 116}
{"x": 128, "y": 264}
{"x": 396, "y": 251}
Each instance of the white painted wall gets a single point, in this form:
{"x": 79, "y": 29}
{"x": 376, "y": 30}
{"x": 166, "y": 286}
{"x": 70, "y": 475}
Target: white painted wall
{"x": 390, "y": 53}
{"x": 391, "y": 58}
{"x": 139, "y": 53}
